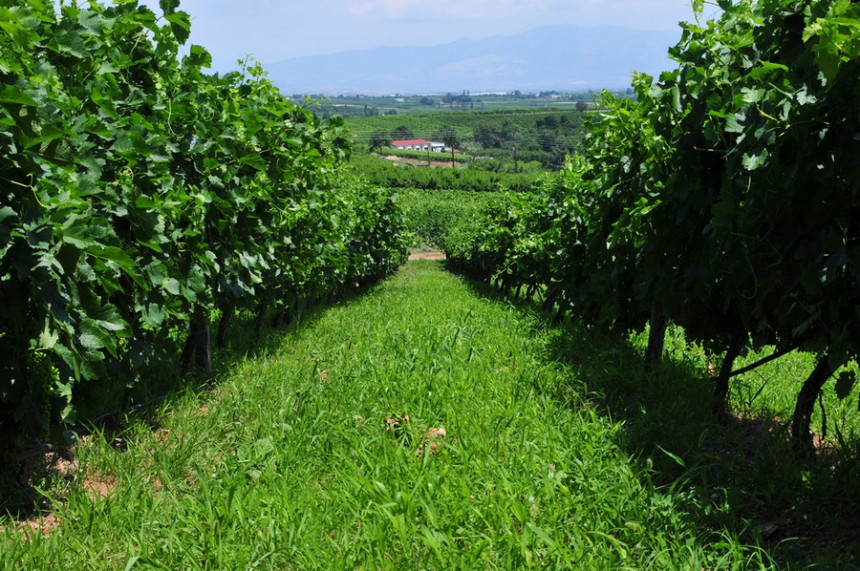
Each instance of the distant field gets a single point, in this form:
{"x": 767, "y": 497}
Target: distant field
{"x": 425, "y": 124}
{"x": 524, "y": 135}
{"x": 363, "y": 106}
{"x": 385, "y": 173}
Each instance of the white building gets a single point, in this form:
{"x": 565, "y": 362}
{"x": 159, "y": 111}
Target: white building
{"x": 419, "y": 145}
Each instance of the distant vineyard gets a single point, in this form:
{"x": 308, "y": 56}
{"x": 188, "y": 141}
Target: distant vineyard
{"x": 382, "y": 172}
{"x": 434, "y": 217}
{"x": 142, "y": 195}
{"x": 545, "y": 136}
{"x": 376, "y": 106}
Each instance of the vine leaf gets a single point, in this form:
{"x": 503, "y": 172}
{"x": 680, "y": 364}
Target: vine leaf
{"x": 11, "y": 94}
{"x": 48, "y": 338}
{"x": 752, "y": 162}
{"x": 168, "y": 6}
{"x": 180, "y": 23}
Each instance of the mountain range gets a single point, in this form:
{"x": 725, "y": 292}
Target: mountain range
{"x": 561, "y": 57}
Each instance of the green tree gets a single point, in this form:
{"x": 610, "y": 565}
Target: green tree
{"x": 379, "y": 139}
{"x": 402, "y": 132}
{"x": 448, "y": 135}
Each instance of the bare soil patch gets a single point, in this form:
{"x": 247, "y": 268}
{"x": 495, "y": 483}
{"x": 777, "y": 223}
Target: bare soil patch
{"x": 434, "y": 164}
{"x": 46, "y": 466}
{"x": 431, "y": 255}
{"x": 39, "y": 525}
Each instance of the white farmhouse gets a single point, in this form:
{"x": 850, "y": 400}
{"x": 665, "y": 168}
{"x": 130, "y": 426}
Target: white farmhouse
{"x": 418, "y": 145}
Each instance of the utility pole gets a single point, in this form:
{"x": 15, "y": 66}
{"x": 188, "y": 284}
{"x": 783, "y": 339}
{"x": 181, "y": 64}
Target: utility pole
{"x": 516, "y": 154}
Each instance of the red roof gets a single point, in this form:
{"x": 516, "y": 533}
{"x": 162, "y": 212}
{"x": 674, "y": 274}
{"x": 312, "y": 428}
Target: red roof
{"x": 409, "y": 143}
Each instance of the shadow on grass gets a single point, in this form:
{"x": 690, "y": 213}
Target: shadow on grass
{"x": 741, "y": 477}
{"x": 107, "y": 411}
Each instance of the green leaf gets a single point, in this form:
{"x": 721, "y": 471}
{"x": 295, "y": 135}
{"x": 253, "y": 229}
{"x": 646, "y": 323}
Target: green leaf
{"x": 119, "y": 257}
{"x": 200, "y": 57}
{"x": 48, "y": 338}
{"x": 735, "y": 123}
{"x": 108, "y": 318}
{"x": 77, "y": 233}
{"x": 765, "y": 68}
{"x": 97, "y": 335}
{"x": 112, "y": 254}
{"x": 253, "y": 160}
{"x": 107, "y": 67}
{"x": 804, "y": 97}
{"x": 752, "y": 162}
{"x": 180, "y": 23}
{"x": 168, "y": 6}
{"x": 91, "y": 21}
{"x": 678, "y": 460}
{"x": 6, "y": 212}
{"x": 11, "y": 94}
{"x": 132, "y": 563}
{"x": 90, "y": 341}
{"x": 144, "y": 202}
{"x": 752, "y": 95}
{"x": 172, "y": 286}
{"x": 49, "y": 133}
{"x": 71, "y": 358}
{"x": 154, "y": 315}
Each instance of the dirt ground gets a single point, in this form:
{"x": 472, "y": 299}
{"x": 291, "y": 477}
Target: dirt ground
{"x": 427, "y": 255}
{"x": 419, "y": 162}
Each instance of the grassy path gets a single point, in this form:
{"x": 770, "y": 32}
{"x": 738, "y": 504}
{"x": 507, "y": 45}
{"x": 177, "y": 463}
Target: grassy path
{"x": 304, "y": 458}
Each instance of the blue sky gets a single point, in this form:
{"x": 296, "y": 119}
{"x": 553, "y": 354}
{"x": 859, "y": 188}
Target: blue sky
{"x": 273, "y": 30}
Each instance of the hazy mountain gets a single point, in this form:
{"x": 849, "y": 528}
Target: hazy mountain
{"x": 553, "y": 57}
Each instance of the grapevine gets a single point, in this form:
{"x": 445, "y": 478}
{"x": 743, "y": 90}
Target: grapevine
{"x": 140, "y": 195}
{"x": 724, "y": 199}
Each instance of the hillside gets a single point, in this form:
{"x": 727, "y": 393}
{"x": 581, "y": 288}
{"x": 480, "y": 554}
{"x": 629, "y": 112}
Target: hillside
{"x": 563, "y": 57}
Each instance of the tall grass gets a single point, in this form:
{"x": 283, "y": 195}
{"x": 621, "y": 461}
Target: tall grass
{"x": 303, "y": 458}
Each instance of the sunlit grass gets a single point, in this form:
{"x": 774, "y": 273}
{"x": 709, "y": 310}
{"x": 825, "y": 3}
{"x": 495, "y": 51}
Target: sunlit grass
{"x": 303, "y": 458}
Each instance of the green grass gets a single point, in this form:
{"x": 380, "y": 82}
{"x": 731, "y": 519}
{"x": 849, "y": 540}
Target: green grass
{"x": 772, "y": 389}
{"x": 346, "y": 106}
{"x": 287, "y": 464}
{"x": 426, "y": 125}
{"x": 741, "y": 478}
